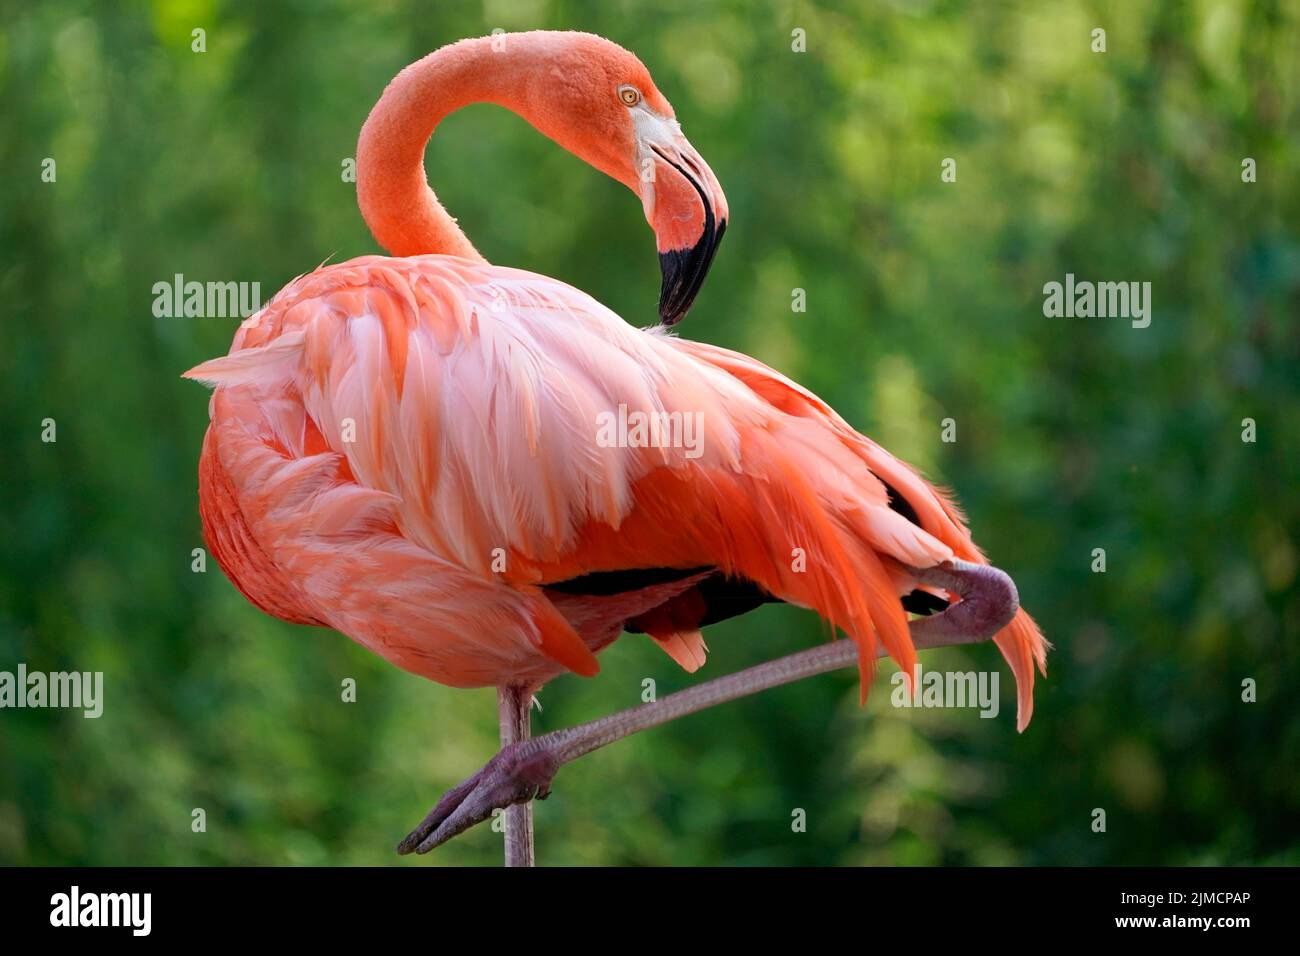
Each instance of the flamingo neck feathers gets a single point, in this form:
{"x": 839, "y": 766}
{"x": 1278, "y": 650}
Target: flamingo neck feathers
{"x": 392, "y": 190}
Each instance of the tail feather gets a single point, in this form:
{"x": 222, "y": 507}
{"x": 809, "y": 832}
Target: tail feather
{"x": 1021, "y": 642}
{"x": 1024, "y": 647}
{"x": 557, "y": 639}
{"x": 686, "y": 646}
{"x": 856, "y": 596}
{"x": 863, "y": 595}
{"x": 674, "y": 626}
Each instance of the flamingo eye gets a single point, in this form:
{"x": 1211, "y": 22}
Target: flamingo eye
{"x": 630, "y": 95}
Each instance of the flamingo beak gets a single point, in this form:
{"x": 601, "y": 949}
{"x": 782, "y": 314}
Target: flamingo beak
{"x": 688, "y": 210}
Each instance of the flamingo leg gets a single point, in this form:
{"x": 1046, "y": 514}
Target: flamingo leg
{"x": 524, "y": 768}
{"x": 514, "y": 708}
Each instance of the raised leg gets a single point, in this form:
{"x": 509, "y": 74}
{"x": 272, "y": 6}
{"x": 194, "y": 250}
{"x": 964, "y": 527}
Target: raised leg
{"x": 524, "y": 769}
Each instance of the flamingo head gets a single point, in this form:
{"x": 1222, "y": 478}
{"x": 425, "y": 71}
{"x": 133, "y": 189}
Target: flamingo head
{"x": 598, "y": 100}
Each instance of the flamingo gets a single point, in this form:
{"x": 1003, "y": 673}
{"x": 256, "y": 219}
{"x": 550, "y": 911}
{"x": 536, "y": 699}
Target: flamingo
{"x": 407, "y": 449}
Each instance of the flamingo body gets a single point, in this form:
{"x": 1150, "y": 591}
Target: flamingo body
{"x": 405, "y": 450}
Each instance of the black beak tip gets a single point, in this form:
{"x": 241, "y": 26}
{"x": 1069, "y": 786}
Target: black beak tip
{"x": 684, "y": 271}
{"x": 670, "y": 313}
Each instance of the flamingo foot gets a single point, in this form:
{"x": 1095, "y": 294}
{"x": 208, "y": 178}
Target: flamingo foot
{"x": 520, "y": 772}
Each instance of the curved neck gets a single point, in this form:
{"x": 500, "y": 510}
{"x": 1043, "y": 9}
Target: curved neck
{"x": 392, "y": 190}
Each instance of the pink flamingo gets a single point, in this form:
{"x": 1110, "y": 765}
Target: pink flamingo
{"x": 411, "y": 450}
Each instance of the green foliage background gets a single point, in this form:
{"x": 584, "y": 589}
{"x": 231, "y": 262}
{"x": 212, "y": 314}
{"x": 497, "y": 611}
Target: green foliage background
{"x": 924, "y": 302}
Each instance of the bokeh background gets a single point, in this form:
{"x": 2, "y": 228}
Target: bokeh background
{"x": 924, "y": 301}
